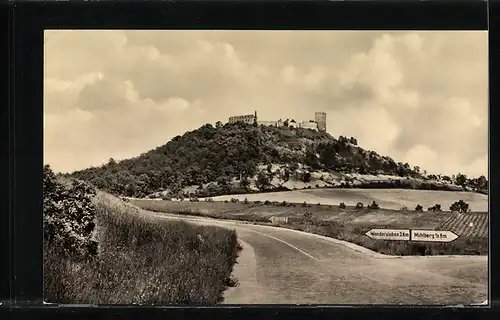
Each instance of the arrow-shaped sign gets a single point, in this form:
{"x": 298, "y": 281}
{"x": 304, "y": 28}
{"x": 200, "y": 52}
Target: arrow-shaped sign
{"x": 433, "y": 235}
{"x": 389, "y": 234}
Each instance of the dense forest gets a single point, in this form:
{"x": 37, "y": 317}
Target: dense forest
{"x": 217, "y": 154}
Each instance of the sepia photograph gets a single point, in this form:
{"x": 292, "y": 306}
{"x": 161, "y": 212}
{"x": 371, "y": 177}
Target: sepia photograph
{"x": 222, "y": 167}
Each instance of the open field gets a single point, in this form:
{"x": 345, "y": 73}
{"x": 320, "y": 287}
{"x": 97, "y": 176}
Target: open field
{"x": 347, "y": 224}
{"x": 386, "y": 198}
{"x": 144, "y": 260}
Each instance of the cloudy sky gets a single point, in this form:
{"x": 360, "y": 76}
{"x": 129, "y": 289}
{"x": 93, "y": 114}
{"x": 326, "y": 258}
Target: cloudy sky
{"x": 419, "y": 97}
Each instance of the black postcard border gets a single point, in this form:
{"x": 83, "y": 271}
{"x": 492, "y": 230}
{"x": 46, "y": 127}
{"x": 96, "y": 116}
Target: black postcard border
{"x": 24, "y": 159}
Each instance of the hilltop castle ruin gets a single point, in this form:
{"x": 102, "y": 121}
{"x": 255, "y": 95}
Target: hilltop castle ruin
{"x": 318, "y": 124}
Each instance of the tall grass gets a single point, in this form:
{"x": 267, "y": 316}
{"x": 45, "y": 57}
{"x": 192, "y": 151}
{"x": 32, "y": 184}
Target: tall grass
{"x": 144, "y": 260}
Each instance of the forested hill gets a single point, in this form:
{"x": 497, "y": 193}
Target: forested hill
{"x": 238, "y": 157}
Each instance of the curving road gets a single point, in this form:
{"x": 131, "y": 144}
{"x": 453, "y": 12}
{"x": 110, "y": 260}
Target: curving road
{"x": 282, "y": 266}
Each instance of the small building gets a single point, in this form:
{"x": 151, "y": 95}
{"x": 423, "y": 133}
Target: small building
{"x": 279, "y": 220}
{"x": 248, "y": 118}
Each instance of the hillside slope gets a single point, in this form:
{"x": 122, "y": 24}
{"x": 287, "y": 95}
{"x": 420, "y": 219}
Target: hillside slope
{"x": 240, "y": 158}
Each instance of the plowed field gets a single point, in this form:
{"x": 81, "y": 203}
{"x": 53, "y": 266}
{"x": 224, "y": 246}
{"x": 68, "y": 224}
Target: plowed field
{"x": 467, "y": 224}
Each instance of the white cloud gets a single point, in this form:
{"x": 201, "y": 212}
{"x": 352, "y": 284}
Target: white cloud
{"x": 419, "y": 97}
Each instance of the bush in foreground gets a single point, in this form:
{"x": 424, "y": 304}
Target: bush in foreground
{"x": 143, "y": 260}
{"x": 68, "y": 216}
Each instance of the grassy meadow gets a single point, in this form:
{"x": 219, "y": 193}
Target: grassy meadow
{"x": 143, "y": 260}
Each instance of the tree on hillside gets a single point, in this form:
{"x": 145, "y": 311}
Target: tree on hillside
{"x": 311, "y": 157}
{"x": 416, "y": 170}
{"x": 269, "y": 168}
{"x": 461, "y": 179}
{"x": 482, "y": 183}
{"x": 244, "y": 182}
{"x": 218, "y": 124}
{"x": 306, "y": 177}
{"x": 263, "y": 183}
{"x": 286, "y": 175}
{"x": 224, "y": 183}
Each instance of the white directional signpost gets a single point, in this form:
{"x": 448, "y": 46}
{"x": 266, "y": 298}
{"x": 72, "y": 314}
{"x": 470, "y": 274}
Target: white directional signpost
{"x": 433, "y": 235}
{"x": 389, "y": 234}
{"x": 412, "y": 235}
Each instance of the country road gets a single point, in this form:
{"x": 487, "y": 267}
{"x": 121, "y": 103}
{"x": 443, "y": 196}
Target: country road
{"x": 282, "y": 266}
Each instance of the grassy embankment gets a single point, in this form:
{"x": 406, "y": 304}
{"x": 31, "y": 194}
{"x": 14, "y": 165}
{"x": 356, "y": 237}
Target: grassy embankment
{"x": 143, "y": 260}
{"x": 348, "y": 224}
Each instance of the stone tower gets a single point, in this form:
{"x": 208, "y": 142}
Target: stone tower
{"x": 320, "y": 118}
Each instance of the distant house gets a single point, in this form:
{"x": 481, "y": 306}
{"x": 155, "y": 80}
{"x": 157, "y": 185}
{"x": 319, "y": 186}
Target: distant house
{"x": 278, "y": 220}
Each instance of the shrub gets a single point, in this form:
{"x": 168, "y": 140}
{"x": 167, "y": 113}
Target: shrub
{"x": 267, "y": 202}
{"x": 419, "y": 208}
{"x": 226, "y": 201}
{"x": 359, "y": 205}
{"x": 245, "y": 201}
{"x": 308, "y": 216}
{"x": 263, "y": 183}
{"x": 460, "y": 206}
{"x": 258, "y": 202}
{"x": 166, "y": 198}
{"x": 374, "y": 206}
{"x": 284, "y": 203}
{"x": 234, "y": 200}
{"x": 194, "y": 199}
{"x": 435, "y": 208}
{"x": 306, "y": 177}
{"x": 304, "y": 204}
{"x": 404, "y": 208}
{"x": 68, "y": 216}
{"x": 317, "y": 186}
{"x": 342, "y": 205}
